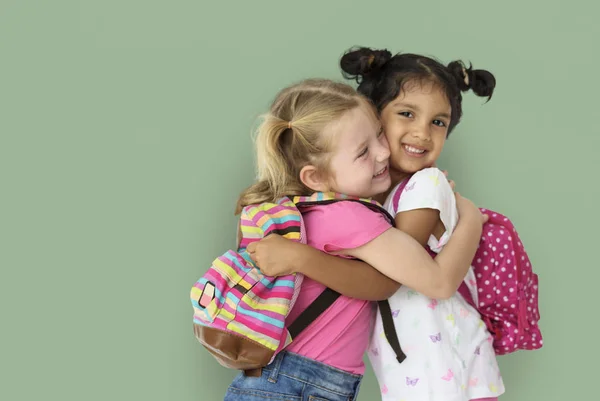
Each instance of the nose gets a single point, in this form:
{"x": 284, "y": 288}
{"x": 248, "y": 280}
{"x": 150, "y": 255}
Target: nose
{"x": 421, "y": 130}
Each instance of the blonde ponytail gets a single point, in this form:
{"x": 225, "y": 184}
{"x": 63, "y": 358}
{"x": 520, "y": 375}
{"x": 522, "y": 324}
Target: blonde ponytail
{"x": 291, "y": 137}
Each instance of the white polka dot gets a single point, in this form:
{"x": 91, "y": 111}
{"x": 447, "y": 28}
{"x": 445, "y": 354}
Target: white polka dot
{"x": 512, "y": 306}
{"x": 511, "y": 289}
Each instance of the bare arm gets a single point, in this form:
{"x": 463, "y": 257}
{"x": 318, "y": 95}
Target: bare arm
{"x": 352, "y": 278}
{"x": 398, "y": 256}
{"x": 419, "y": 223}
{"x": 278, "y": 256}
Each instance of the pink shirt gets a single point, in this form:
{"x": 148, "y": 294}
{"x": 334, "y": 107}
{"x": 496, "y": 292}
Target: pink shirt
{"x": 339, "y": 337}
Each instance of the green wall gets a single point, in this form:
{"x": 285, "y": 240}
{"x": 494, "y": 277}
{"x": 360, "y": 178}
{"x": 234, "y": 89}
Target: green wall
{"x": 125, "y": 139}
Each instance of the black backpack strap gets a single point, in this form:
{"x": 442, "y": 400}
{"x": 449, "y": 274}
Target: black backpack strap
{"x": 314, "y": 310}
{"x": 390, "y": 330}
{"x": 308, "y": 315}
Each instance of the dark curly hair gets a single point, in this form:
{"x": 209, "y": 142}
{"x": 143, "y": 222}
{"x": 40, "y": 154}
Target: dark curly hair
{"x": 381, "y": 76}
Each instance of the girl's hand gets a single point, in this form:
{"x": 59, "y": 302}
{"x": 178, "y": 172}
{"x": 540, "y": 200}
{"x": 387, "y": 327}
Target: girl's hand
{"x": 467, "y": 209}
{"x": 275, "y": 255}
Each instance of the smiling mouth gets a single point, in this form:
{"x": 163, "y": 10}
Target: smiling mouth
{"x": 414, "y": 150}
{"x": 381, "y": 172}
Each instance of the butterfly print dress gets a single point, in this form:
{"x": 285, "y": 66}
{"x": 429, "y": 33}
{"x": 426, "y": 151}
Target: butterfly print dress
{"x": 449, "y": 355}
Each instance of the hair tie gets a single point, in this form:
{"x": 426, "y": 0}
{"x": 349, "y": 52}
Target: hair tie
{"x": 371, "y": 59}
{"x": 289, "y": 125}
{"x": 466, "y": 76}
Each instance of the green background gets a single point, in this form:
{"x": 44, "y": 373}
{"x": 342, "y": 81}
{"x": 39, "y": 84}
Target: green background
{"x": 125, "y": 139}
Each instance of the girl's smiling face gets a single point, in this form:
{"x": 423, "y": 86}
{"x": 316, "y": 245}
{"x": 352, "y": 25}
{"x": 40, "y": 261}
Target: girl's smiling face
{"x": 416, "y": 125}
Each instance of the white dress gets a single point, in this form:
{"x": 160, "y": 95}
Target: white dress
{"x": 449, "y": 355}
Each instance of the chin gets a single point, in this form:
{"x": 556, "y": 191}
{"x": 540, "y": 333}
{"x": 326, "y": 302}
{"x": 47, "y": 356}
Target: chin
{"x": 414, "y": 167}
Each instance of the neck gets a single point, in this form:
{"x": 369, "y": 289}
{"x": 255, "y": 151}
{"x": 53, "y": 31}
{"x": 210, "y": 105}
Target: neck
{"x": 397, "y": 177}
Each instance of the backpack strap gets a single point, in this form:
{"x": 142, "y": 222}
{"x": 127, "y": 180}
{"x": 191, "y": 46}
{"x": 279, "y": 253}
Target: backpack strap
{"x": 384, "y": 306}
{"x": 398, "y": 192}
{"x": 313, "y": 311}
{"x": 308, "y": 315}
{"x": 390, "y": 330}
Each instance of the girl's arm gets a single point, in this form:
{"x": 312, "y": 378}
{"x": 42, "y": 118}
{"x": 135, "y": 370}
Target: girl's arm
{"x": 276, "y": 255}
{"x": 398, "y": 256}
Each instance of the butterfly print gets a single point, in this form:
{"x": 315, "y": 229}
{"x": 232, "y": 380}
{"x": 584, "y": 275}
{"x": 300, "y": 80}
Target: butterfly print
{"x": 448, "y": 376}
{"x": 409, "y": 187}
{"x": 436, "y": 337}
{"x": 411, "y": 381}
{"x": 433, "y": 304}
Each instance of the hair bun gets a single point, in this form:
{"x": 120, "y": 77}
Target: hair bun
{"x": 481, "y": 82}
{"x": 358, "y": 63}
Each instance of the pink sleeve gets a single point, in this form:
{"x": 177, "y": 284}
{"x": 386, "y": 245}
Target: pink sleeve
{"x": 343, "y": 225}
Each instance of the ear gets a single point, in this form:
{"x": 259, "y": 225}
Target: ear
{"x": 310, "y": 176}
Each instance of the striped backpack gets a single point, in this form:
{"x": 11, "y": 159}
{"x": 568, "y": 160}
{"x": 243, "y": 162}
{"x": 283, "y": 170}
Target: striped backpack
{"x": 507, "y": 289}
{"x": 239, "y": 313}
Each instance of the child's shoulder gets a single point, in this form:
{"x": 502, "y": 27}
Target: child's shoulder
{"x": 427, "y": 183}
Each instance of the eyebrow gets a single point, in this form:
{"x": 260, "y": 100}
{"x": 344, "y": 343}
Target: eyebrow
{"x": 415, "y": 107}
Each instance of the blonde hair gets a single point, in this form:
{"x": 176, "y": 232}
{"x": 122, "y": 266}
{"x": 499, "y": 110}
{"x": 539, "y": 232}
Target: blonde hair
{"x": 291, "y": 137}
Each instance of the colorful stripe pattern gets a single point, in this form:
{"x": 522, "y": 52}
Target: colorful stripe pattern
{"x": 235, "y": 297}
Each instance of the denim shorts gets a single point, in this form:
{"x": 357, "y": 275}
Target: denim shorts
{"x": 291, "y": 377}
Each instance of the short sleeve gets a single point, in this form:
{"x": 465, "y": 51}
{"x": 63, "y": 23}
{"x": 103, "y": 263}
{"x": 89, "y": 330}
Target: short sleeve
{"x": 427, "y": 189}
{"x": 343, "y": 225}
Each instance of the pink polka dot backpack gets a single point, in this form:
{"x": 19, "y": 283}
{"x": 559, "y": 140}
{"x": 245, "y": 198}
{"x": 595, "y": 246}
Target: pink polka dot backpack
{"x": 507, "y": 288}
